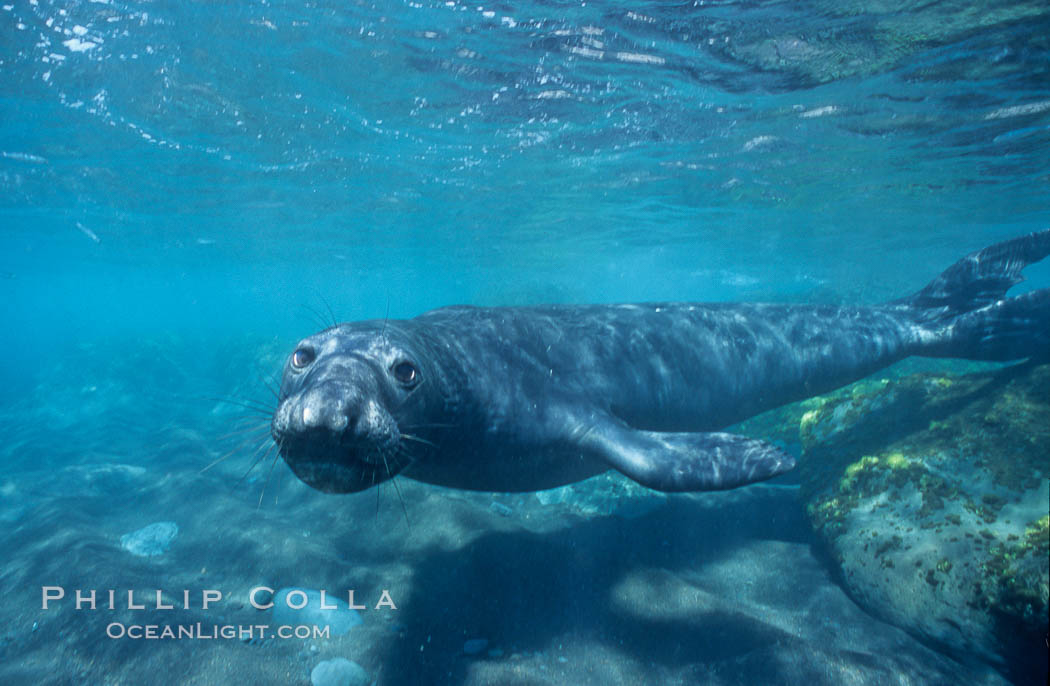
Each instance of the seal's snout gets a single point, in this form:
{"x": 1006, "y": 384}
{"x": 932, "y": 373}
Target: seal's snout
{"x": 330, "y": 412}
{"x": 335, "y": 436}
{"x": 327, "y": 407}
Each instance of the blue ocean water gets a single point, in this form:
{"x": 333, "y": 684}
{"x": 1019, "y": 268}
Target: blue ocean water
{"x": 189, "y": 186}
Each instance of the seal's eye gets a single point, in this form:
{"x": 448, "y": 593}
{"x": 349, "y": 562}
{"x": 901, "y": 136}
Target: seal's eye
{"x": 302, "y": 357}
{"x": 405, "y": 373}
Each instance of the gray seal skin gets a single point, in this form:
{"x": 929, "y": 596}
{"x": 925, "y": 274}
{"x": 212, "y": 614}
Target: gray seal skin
{"x": 528, "y": 398}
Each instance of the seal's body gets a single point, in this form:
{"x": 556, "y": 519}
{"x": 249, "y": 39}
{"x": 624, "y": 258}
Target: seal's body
{"x": 527, "y": 398}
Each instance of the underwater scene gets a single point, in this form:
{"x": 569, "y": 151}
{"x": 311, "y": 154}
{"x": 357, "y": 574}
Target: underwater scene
{"x": 535, "y": 343}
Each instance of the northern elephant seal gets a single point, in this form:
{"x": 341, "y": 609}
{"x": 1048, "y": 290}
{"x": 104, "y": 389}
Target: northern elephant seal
{"x": 528, "y": 398}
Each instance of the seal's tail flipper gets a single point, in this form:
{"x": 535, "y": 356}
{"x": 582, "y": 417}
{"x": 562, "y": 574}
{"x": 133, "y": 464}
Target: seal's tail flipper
{"x": 965, "y": 313}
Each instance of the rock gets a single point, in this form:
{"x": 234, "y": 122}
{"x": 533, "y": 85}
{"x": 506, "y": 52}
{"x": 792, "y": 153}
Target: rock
{"x": 337, "y": 615}
{"x": 150, "y": 540}
{"x": 338, "y": 672}
{"x": 501, "y": 509}
{"x": 931, "y": 494}
{"x": 603, "y": 495}
{"x": 106, "y": 477}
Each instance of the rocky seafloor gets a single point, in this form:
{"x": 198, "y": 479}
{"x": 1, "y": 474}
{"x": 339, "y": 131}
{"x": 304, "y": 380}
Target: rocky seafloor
{"x": 910, "y": 546}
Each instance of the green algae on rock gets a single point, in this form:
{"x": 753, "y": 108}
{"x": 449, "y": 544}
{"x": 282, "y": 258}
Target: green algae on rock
{"x": 931, "y": 493}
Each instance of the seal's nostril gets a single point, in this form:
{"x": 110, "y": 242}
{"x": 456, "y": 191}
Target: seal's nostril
{"x": 338, "y": 422}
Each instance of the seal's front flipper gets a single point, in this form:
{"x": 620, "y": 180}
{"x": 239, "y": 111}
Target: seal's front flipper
{"x": 687, "y": 461}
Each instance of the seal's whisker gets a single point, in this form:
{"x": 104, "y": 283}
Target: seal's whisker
{"x": 236, "y": 448}
{"x": 256, "y": 426}
{"x": 400, "y": 498}
{"x": 410, "y": 437}
{"x": 245, "y": 427}
{"x": 267, "y": 409}
{"x": 269, "y": 386}
{"x": 322, "y": 320}
{"x": 255, "y": 461}
{"x": 280, "y": 453}
{"x": 216, "y": 461}
{"x": 404, "y": 457}
{"x": 319, "y": 319}
{"x": 268, "y": 474}
{"x": 335, "y": 321}
{"x": 386, "y": 317}
{"x": 251, "y": 433}
{"x": 277, "y": 485}
{"x": 250, "y": 403}
{"x": 386, "y": 465}
{"x": 253, "y": 405}
{"x": 246, "y": 418}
